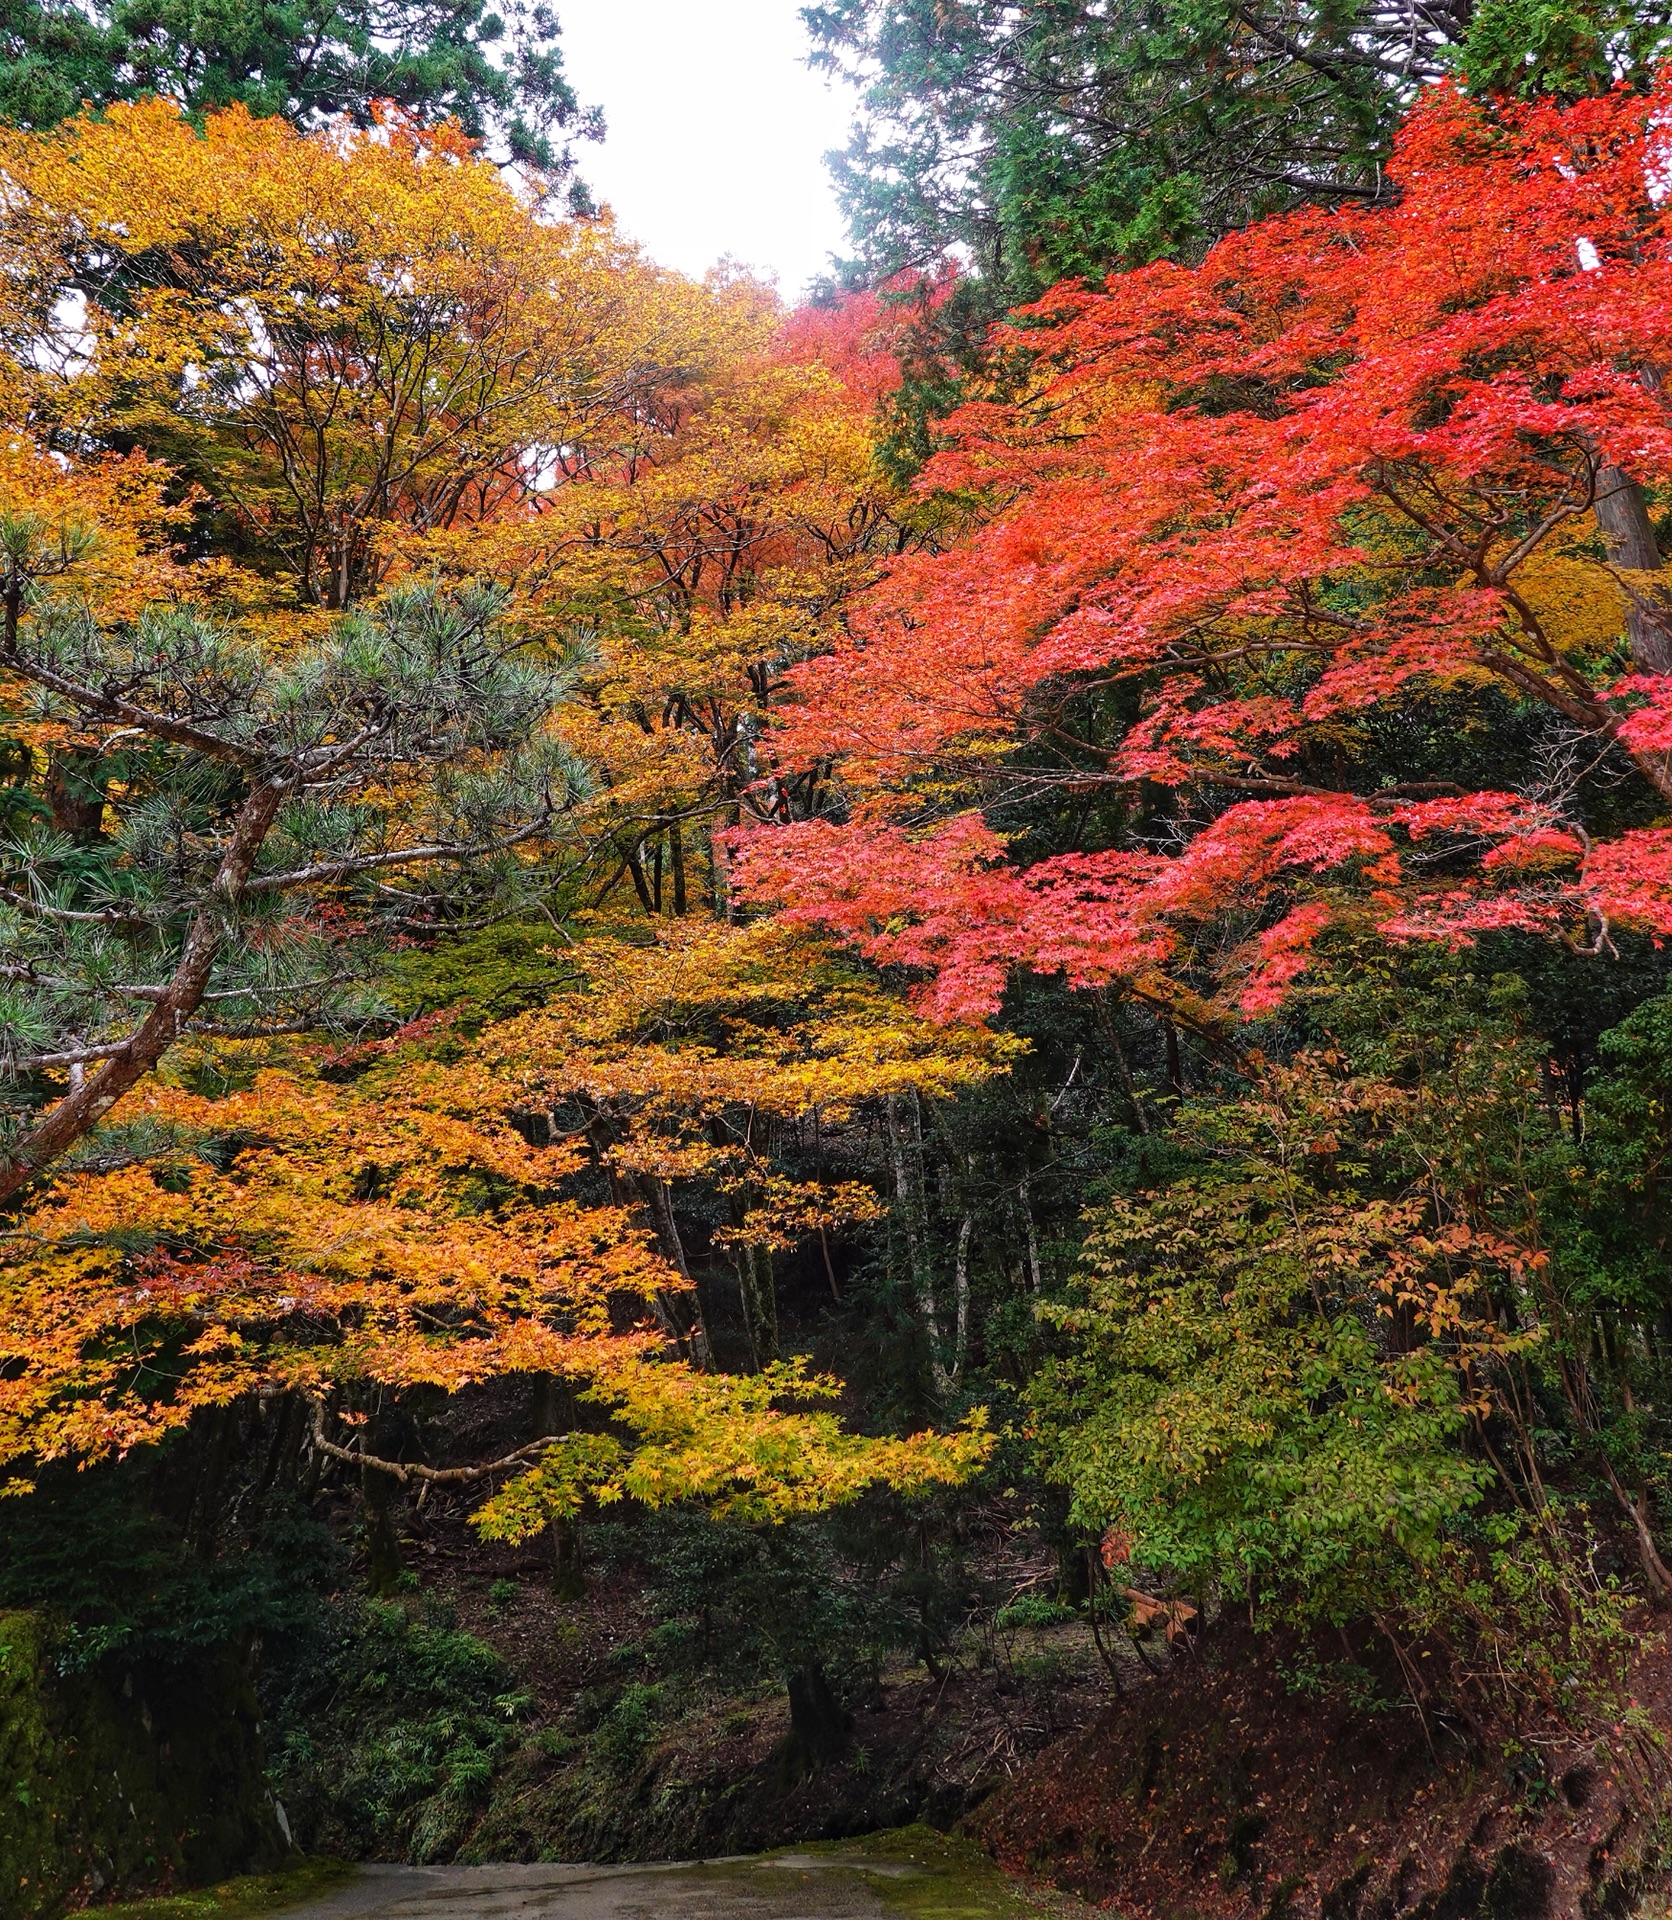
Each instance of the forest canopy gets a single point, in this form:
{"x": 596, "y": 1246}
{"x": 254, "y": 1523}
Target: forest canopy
{"x": 1026, "y": 902}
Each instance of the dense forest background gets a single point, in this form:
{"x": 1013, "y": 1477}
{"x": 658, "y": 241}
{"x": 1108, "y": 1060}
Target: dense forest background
{"x": 759, "y": 1060}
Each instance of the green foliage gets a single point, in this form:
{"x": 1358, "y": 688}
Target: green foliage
{"x": 490, "y": 974}
{"x": 1033, "y": 1611}
{"x": 386, "y": 1730}
{"x": 1525, "y": 48}
{"x": 764, "y": 1602}
{"x": 1516, "y": 1604}
{"x": 1331, "y": 1350}
{"x": 627, "y": 1728}
{"x": 1072, "y": 137}
{"x": 1612, "y": 1222}
{"x": 93, "y": 931}
{"x": 492, "y": 72}
{"x": 1225, "y": 1401}
{"x": 1069, "y": 138}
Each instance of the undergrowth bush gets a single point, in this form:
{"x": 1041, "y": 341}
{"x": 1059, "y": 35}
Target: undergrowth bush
{"x": 387, "y": 1729}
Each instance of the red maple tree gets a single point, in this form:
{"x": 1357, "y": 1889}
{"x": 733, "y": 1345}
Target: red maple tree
{"x": 1352, "y": 460}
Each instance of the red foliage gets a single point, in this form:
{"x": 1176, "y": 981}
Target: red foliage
{"x": 858, "y": 336}
{"x": 1333, "y": 469}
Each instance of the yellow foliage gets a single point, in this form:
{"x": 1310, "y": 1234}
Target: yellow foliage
{"x": 710, "y": 1015}
{"x": 1576, "y": 598}
{"x": 726, "y": 1440}
{"x": 301, "y": 1236}
{"x": 332, "y": 334}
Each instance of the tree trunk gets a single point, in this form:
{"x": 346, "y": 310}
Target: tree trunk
{"x": 680, "y": 1314}
{"x": 905, "y": 1195}
{"x": 568, "y": 1581}
{"x": 554, "y": 1414}
{"x": 819, "y": 1727}
{"x": 1034, "y": 1276}
{"x": 676, "y": 847}
{"x": 1175, "y": 1062}
{"x": 75, "y": 791}
{"x": 86, "y": 1105}
{"x": 381, "y": 1499}
{"x": 1648, "y": 1554}
{"x": 961, "y": 1294}
{"x": 1623, "y": 518}
{"x": 759, "y": 1289}
{"x": 203, "y": 1522}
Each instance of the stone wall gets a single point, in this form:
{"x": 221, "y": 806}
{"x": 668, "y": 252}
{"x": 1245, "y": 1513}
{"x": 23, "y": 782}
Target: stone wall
{"x": 131, "y": 1778}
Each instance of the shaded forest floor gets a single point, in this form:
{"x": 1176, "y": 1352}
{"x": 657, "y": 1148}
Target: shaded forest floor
{"x": 613, "y": 1759}
{"x": 1215, "y": 1785}
{"x": 1220, "y": 1793}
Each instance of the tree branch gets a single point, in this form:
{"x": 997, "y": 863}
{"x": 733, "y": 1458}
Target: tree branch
{"x": 370, "y": 862}
{"x": 85, "y": 1106}
{"x": 406, "y": 1471}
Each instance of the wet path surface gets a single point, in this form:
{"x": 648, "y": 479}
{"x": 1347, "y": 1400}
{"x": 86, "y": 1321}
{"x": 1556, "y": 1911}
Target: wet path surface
{"x": 843, "y": 1883}
{"x": 779, "y": 1889}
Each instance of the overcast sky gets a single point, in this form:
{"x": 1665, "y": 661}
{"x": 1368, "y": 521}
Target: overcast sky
{"x": 716, "y": 130}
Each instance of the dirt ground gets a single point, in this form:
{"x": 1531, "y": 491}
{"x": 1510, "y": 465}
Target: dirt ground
{"x": 1216, "y": 1795}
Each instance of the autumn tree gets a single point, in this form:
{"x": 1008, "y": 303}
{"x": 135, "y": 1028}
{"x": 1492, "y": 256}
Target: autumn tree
{"x": 303, "y": 1237}
{"x": 333, "y": 339}
{"x": 406, "y": 373}
{"x": 692, "y": 553}
{"x": 695, "y": 561}
{"x": 1247, "y": 514}
{"x": 489, "y": 73}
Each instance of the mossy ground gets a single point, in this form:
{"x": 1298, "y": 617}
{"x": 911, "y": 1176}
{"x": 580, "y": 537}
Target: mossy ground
{"x": 241, "y": 1899}
{"x": 955, "y": 1879}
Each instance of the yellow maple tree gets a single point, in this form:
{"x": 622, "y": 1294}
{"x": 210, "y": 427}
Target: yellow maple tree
{"x": 329, "y": 334}
{"x": 719, "y": 1054}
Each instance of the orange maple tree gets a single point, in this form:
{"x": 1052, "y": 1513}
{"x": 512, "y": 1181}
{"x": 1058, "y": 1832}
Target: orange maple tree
{"x": 309, "y": 1237}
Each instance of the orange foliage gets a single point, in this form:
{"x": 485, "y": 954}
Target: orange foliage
{"x": 303, "y": 1236}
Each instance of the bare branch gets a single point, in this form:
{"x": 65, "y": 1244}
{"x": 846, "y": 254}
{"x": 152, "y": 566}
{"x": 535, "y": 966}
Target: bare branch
{"x": 370, "y": 862}
{"x": 406, "y": 1471}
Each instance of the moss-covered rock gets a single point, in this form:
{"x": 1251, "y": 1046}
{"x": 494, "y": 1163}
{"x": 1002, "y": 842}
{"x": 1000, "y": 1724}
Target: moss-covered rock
{"x": 137, "y": 1778}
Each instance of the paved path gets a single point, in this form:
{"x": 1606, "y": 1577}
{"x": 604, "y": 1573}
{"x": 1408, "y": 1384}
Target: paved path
{"x": 847, "y": 1885}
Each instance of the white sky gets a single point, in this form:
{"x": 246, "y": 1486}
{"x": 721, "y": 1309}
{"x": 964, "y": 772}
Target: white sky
{"x": 717, "y": 131}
